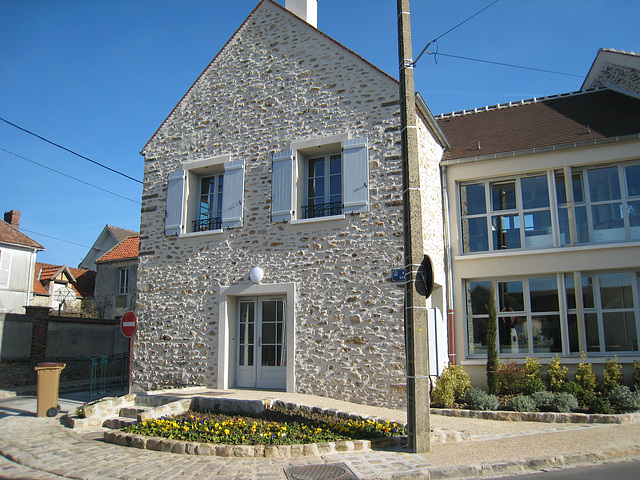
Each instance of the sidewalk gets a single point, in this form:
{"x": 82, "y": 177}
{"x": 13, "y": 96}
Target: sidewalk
{"x": 43, "y": 449}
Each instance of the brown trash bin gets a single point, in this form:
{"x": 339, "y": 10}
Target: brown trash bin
{"x": 48, "y": 387}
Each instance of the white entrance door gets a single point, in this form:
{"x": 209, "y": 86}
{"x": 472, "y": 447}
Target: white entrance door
{"x": 261, "y": 344}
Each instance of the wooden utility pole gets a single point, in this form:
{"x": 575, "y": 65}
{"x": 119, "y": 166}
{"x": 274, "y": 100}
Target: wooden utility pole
{"x": 415, "y": 303}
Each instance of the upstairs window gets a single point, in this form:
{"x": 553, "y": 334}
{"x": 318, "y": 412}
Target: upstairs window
{"x": 597, "y": 205}
{"x": 324, "y": 186}
{"x": 205, "y": 196}
{"x": 320, "y": 179}
{"x": 210, "y": 213}
{"x": 123, "y": 281}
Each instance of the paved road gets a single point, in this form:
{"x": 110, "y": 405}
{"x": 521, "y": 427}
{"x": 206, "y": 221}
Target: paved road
{"x": 608, "y": 470}
{"x": 43, "y": 449}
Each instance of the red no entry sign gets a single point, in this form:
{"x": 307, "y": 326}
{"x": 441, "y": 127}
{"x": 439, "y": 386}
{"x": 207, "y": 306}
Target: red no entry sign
{"x": 129, "y": 324}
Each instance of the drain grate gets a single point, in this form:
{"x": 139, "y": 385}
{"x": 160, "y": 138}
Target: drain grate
{"x": 329, "y": 471}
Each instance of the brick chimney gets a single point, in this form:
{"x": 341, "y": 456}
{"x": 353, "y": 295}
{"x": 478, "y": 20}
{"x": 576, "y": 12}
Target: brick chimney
{"x": 12, "y": 217}
{"x": 305, "y": 9}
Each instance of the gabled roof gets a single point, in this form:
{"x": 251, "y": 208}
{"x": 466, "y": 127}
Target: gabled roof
{"x": 126, "y": 249}
{"x": 108, "y": 238}
{"x": 11, "y": 235}
{"x": 303, "y": 25}
{"x": 614, "y": 69}
{"x": 81, "y": 280}
{"x": 545, "y": 122}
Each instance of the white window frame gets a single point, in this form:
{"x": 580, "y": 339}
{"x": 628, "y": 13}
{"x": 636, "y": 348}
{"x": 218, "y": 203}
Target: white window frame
{"x": 564, "y": 313}
{"x": 596, "y": 237}
{"x": 184, "y": 190}
{"x": 123, "y": 281}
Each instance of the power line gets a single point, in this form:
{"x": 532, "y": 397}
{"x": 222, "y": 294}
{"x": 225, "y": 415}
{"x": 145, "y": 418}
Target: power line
{"x": 55, "y": 238}
{"x": 504, "y": 64}
{"x": 70, "y": 151}
{"x": 451, "y": 29}
{"x": 69, "y": 176}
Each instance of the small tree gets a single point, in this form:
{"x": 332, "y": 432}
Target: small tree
{"x": 492, "y": 347}
{"x": 556, "y": 375}
{"x": 612, "y": 376}
{"x": 585, "y": 377}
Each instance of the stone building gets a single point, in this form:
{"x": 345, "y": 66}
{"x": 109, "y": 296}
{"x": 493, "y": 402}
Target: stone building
{"x": 116, "y": 278}
{"x": 272, "y": 221}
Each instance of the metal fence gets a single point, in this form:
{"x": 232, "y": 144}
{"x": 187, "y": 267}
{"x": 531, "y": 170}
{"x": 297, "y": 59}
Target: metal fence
{"x": 109, "y": 373}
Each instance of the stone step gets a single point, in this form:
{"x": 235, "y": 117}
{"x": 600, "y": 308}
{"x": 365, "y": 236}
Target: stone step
{"x": 132, "y": 412}
{"x": 118, "y": 422}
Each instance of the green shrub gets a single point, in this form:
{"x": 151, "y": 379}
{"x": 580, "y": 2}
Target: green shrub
{"x": 533, "y": 385}
{"x": 585, "y": 399}
{"x": 532, "y": 377}
{"x": 585, "y": 377}
{"x": 532, "y": 368}
{"x": 635, "y": 377}
{"x": 600, "y": 405}
{"x": 451, "y": 387}
{"x": 623, "y": 400}
{"x": 564, "y": 402}
{"x": 511, "y": 378}
{"x": 612, "y": 375}
{"x": 478, "y": 399}
{"x": 573, "y": 388}
{"x": 521, "y": 403}
{"x": 556, "y": 375}
{"x": 542, "y": 398}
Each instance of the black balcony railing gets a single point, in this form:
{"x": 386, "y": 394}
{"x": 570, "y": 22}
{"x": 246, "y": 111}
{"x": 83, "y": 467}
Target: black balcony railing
{"x": 205, "y": 224}
{"x": 322, "y": 210}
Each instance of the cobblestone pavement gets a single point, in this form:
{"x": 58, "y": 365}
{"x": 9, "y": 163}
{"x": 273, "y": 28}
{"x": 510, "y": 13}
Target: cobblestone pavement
{"x": 43, "y": 449}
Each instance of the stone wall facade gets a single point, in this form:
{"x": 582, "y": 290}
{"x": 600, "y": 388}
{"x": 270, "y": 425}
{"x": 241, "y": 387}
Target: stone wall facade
{"x": 278, "y": 81}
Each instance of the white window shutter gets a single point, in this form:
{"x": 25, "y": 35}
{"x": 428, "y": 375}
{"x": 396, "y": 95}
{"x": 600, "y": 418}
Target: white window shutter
{"x": 282, "y": 187}
{"x": 233, "y": 194}
{"x": 5, "y": 268}
{"x": 175, "y": 203}
{"x": 355, "y": 171}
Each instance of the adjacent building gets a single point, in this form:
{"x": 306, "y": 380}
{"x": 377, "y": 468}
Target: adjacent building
{"x": 116, "y": 277}
{"x": 544, "y": 205}
{"x": 17, "y": 263}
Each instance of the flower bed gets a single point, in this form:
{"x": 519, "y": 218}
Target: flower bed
{"x": 275, "y": 426}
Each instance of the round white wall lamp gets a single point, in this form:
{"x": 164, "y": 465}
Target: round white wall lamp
{"x": 256, "y": 274}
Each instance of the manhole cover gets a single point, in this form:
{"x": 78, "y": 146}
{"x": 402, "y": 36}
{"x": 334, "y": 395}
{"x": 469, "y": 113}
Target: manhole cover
{"x": 329, "y": 471}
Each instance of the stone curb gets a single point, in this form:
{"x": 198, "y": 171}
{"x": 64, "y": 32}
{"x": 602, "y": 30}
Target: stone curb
{"x": 526, "y": 465}
{"x": 547, "y": 417}
{"x": 195, "y": 448}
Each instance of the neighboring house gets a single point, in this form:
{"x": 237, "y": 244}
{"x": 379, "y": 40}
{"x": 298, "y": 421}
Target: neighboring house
{"x": 272, "y": 221}
{"x": 544, "y": 204}
{"x": 17, "y": 261}
{"x": 108, "y": 238}
{"x": 57, "y": 284}
{"x": 116, "y": 276}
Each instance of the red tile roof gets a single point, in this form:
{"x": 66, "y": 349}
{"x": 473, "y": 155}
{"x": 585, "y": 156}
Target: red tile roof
{"x": 85, "y": 280}
{"x": 126, "y": 249}
{"x": 10, "y": 234}
{"x": 551, "y": 121}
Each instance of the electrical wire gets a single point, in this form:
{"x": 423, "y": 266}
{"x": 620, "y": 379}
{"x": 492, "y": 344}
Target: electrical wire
{"x": 70, "y": 151}
{"x": 68, "y": 176}
{"x": 504, "y": 64}
{"x": 55, "y": 238}
{"x": 450, "y": 30}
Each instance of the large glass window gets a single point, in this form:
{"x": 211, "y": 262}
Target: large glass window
{"x": 518, "y": 212}
{"x": 601, "y": 315}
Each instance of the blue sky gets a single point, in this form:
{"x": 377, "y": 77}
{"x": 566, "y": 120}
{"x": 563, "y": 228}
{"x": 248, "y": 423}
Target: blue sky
{"x": 99, "y": 77}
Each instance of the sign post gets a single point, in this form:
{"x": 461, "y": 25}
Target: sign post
{"x": 128, "y": 326}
